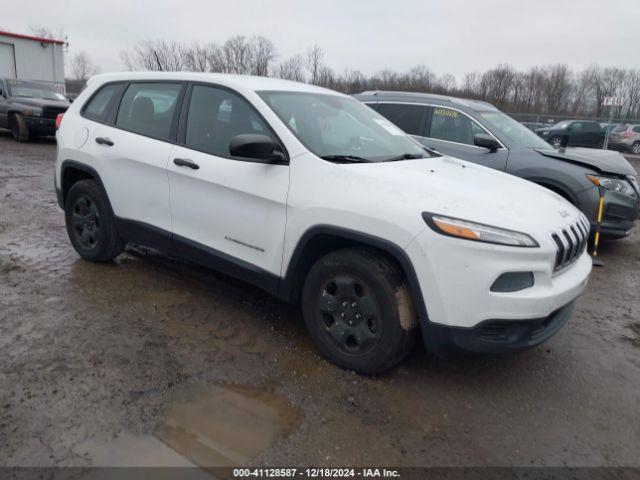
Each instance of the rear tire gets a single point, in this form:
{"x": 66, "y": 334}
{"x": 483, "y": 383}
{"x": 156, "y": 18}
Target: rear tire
{"x": 90, "y": 223}
{"x": 19, "y": 128}
{"x": 358, "y": 310}
{"x": 635, "y": 148}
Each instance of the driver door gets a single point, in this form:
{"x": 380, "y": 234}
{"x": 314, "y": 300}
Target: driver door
{"x": 225, "y": 209}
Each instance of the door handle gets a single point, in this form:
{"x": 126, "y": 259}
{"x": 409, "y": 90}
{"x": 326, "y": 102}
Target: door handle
{"x": 104, "y": 141}
{"x": 181, "y": 162}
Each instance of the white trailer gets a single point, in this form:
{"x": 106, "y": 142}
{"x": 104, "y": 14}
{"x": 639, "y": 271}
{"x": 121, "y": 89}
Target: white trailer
{"x": 26, "y": 57}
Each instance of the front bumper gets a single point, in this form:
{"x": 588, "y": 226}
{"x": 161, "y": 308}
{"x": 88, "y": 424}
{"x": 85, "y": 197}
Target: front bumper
{"x": 41, "y": 126}
{"x": 455, "y": 279}
{"x": 496, "y": 336}
{"x": 619, "y": 212}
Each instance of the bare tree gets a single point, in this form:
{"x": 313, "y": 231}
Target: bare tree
{"x": 263, "y": 53}
{"x": 156, "y": 55}
{"x": 45, "y": 32}
{"x": 292, "y": 69}
{"x": 82, "y": 67}
{"x": 315, "y": 57}
{"x": 553, "y": 89}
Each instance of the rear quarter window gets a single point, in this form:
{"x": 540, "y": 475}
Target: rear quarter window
{"x": 97, "y": 107}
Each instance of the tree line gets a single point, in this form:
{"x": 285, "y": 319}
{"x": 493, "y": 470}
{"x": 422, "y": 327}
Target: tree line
{"x": 553, "y": 89}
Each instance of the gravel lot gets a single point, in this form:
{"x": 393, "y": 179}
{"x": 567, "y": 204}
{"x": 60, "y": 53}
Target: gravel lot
{"x": 115, "y": 363}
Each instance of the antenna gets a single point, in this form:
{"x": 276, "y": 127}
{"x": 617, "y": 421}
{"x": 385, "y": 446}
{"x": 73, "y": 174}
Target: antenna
{"x": 158, "y": 60}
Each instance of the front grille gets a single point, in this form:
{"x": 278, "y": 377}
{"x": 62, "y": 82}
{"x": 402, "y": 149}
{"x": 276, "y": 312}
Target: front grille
{"x": 570, "y": 242}
{"x": 52, "y": 112}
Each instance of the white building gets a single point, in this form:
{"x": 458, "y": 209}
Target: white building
{"x": 26, "y": 57}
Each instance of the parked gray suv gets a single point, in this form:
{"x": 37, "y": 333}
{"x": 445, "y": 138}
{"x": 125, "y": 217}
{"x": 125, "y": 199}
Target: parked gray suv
{"x": 478, "y": 132}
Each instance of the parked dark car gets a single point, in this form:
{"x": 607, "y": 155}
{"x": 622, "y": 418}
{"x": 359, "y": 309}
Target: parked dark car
{"x": 478, "y": 132}
{"x": 579, "y": 133}
{"x": 30, "y": 108}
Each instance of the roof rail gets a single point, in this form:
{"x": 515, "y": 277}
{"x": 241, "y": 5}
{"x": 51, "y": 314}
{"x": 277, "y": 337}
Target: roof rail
{"x": 445, "y": 98}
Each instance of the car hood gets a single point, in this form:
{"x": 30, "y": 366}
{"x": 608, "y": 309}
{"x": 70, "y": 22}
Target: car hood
{"x": 40, "y": 102}
{"x": 449, "y": 186}
{"x": 605, "y": 161}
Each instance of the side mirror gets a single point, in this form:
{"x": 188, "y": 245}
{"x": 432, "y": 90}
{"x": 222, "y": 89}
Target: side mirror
{"x": 486, "y": 141}
{"x": 257, "y": 147}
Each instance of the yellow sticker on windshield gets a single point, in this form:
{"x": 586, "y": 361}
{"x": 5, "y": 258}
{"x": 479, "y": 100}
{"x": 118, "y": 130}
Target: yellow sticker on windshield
{"x": 445, "y": 112}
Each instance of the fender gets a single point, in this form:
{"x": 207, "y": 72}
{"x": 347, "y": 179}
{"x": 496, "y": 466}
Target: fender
{"x": 306, "y": 251}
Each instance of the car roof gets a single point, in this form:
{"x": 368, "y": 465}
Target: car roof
{"x": 418, "y": 97}
{"x": 237, "y": 82}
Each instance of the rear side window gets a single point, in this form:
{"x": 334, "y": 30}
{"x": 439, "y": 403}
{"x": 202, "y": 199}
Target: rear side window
{"x": 591, "y": 127}
{"x": 620, "y": 128}
{"x": 453, "y": 126}
{"x": 409, "y": 118}
{"x": 148, "y": 109}
{"x": 97, "y": 107}
{"x": 217, "y": 115}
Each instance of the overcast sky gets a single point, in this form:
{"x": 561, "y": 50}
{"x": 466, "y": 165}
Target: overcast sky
{"x": 453, "y": 36}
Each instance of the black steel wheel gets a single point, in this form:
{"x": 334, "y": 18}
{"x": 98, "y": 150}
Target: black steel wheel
{"x": 91, "y": 223}
{"x": 350, "y": 314}
{"x": 86, "y": 221}
{"x": 358, "y": 310}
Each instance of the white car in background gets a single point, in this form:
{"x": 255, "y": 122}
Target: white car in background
{"x": 317, "y": 199}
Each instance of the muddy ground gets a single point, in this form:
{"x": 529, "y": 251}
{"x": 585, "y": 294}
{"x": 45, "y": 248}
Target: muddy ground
{"x": 98, "y": 361}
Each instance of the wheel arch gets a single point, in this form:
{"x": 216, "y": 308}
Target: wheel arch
{"x": 323, "y": 239}
{"x": 72, "y": 172}
{"x": 556, "y": 187}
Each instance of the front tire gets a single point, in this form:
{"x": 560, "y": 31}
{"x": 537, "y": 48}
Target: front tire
{"x": 358, "y": 310}
{"x": 635, "y": 148}
{"x": 556, "y": 142}
{"x": 90, "y": 223}
{"x": 19, "y": 129}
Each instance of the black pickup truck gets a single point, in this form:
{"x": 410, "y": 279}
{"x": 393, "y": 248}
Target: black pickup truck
{"x": 30, "y": 108}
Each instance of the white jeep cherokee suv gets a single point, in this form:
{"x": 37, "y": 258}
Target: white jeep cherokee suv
{"x": 314, "y": 197}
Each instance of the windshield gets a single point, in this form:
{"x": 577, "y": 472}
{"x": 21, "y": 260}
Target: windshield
{"x": 18, "y": 88}
{"x": 331, "y": 125}
{"x": 513, "y": 131}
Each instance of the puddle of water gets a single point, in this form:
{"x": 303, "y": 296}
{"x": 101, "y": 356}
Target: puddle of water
{"x": 221, "y": 426}
{"x": 226, "y": 426}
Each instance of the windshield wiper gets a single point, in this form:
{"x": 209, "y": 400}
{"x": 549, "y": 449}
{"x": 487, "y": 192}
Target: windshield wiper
{"x": 345, "y": 158}
{"x": 405, "y": 156}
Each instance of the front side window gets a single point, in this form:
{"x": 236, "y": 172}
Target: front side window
{"x": 409, "y": 118}
{"x": 591, "y": 127}
{"x": 453, "y": 126}
{"x": 636, "y": 129}
{"x": 148, "y": 109}
{"x": 96, "y": 108}
{"x": 216, "y": 116}
{"x": 334, "y": 125}
{"x": 511, "y": 131}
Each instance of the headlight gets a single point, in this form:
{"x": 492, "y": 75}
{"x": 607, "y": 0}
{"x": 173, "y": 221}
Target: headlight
{"x": 618, "y": 185}
{"x": 32, "y": 113}
{"x": 455, "y": 227}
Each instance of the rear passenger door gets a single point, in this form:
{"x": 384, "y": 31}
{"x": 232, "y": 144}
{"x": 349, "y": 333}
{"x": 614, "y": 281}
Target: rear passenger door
{"x": 133, "y": 148}
{"x": 451, "y": 132}
{"x": 228, "y": 212}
